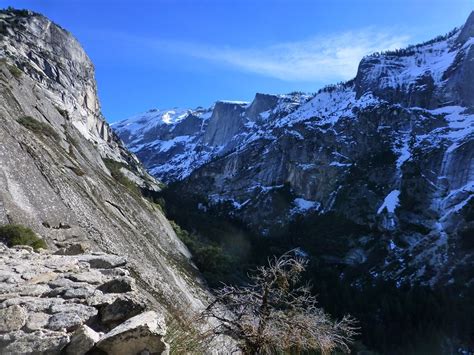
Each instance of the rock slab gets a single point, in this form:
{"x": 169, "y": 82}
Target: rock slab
{"x": 142, "y": 333}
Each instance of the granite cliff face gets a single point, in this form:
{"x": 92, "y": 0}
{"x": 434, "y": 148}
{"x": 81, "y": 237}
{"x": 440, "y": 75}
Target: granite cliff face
{"x": 64, "y": 174}
{"x": 391, "y": 150}
{"x": 51, "y": 56}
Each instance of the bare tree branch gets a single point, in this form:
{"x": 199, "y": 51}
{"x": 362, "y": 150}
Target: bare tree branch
{"x": 274, "y": 312}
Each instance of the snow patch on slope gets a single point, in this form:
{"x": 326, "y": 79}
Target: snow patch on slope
{"x": 390, "y": 202}
{"x": 150, "y": 119}
{"x": 395, "y": 71}
{"x": 303, "y": 206}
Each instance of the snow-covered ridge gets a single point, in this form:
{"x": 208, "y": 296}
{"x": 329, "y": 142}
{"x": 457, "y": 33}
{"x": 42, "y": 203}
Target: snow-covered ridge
{"x": 155, "y": 117}
{"x": 235, "y": 102}
{"x": 173, "y": 143}
{"x": 392, "y": 149}
{"x": 395, "y": 69}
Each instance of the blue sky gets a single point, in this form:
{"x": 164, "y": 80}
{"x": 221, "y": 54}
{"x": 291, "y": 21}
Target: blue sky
{"x": 183, "y": 53}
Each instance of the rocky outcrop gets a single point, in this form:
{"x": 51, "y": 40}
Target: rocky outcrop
{"x": 226, "y": 122}
{"x": 142, "y": 333}
{"x": 467, "y": 31}
{"x": 262, "y": 103}
{"x": 55, "y": 60}
{"x": 53, "y": 303}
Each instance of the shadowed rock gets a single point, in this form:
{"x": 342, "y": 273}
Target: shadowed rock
{"x": 117, "y": 285}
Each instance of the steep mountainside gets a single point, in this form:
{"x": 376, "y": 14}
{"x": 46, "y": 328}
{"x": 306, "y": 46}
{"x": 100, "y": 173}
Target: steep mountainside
{"x": 391, "y": 151}
{"x": 173, "y": 143}
{"x": 66, "y": 175}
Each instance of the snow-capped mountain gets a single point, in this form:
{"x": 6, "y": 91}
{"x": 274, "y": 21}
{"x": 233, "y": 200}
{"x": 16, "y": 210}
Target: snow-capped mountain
{"x": 173, "y": 143}
{"x": 392, "y": 149}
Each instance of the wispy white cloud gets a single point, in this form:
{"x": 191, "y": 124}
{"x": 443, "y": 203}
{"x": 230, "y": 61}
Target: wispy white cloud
{"x": 322, "y": 58}
{"x": 332, "y": 57}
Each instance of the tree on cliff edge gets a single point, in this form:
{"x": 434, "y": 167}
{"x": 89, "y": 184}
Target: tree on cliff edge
{"x": 275, "y": 313}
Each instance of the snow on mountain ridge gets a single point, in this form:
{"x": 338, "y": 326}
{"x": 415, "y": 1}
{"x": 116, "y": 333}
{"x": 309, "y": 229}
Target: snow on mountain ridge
{"x": 392, "y": 149}
{"x": 179, "y": 138}
{"x": 152, "y": 118}
{"x": 415, "y": 72}
{"x": 394, "y": 70}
